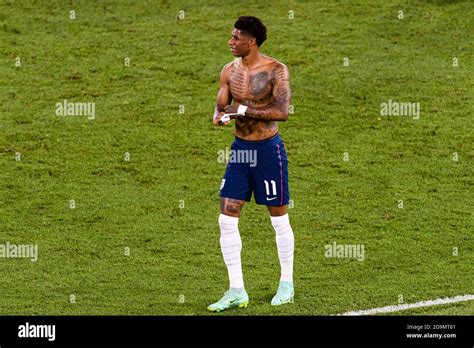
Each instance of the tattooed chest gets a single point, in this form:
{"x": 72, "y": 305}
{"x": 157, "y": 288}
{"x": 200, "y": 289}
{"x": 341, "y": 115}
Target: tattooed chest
{"x": 251, "y": 88}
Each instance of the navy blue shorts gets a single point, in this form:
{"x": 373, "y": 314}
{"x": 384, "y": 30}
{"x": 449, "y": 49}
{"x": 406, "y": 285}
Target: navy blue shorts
{"x": 260, "y": 167}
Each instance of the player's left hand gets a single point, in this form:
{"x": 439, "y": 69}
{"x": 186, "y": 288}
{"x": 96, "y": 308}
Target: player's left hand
{"x": 231, "y": 109}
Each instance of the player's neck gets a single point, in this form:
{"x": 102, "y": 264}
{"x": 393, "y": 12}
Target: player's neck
{"x": 252, "y": 59}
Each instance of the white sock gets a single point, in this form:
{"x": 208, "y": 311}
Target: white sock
{"x": 285, "y": 244}
{"x": 231, "y": 246}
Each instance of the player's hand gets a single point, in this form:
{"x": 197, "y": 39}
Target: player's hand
{"x": 231, "y": 109}
{"x": 216, "y": 119}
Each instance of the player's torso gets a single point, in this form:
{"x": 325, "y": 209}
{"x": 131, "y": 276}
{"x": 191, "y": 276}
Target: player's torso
{"x": 253, "y": 88}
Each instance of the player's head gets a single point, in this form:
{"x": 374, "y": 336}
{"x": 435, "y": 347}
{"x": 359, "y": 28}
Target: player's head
{"x": 249, "y": 33}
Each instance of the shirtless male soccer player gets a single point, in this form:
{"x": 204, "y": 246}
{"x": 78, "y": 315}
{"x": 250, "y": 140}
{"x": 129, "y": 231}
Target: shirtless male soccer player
{"x": 259, "y": 87}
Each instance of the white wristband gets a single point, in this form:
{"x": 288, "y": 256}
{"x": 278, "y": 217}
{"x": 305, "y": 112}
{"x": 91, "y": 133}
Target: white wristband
{"x": 241, "y": 109}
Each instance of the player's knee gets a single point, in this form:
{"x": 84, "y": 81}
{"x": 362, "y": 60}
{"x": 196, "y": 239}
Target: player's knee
{"x": 231, "y": 207}
{"x": 278, "y": 211}
{"x": 231, "y": 210}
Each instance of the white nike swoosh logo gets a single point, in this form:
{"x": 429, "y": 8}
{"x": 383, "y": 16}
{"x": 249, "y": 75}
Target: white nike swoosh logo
{"x": 271, "y": 199}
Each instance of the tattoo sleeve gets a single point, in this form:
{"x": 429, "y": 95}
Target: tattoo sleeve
{"x": 277, "y": 110}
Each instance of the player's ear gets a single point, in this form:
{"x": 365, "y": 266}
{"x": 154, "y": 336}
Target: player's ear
{"x": 253, "y": 41}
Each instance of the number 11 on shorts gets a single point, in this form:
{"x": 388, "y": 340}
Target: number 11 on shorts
{"x": 267, "y": 187}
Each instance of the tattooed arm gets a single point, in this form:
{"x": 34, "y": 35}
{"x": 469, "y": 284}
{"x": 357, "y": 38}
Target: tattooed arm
{"x": 277, "y": 110}
{"x": 224, "y": 96}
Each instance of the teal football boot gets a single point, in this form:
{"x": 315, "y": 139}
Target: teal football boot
{"x": 285, "y": 294}
{"x": 232, "y": 298}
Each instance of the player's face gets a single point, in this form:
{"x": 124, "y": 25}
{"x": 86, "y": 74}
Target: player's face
{"x": 239, "y": 43}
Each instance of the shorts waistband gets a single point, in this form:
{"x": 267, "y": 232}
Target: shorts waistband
{"x": 258, "y": 143}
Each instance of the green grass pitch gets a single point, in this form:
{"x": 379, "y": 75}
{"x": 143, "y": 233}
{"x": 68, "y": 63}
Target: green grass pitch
{"x": 142, "y": 237}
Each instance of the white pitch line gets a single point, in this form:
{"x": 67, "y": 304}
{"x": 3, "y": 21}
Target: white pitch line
{"x": 402, "y": 307}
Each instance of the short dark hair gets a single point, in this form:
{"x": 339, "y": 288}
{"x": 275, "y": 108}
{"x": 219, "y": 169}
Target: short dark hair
{"x": 253, "y": 26}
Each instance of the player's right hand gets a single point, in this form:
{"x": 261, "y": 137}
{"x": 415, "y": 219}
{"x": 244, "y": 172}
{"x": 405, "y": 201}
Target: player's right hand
{"x": 216, "y": 119}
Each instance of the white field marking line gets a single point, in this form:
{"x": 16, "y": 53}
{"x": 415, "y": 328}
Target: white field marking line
{"x": 402, "y": 307}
